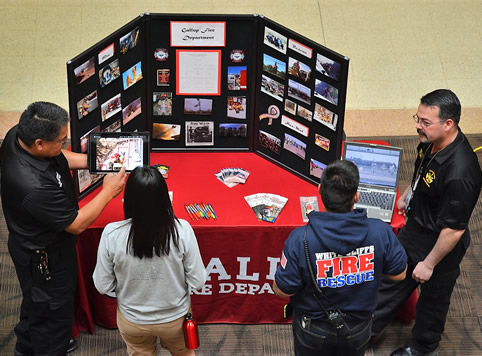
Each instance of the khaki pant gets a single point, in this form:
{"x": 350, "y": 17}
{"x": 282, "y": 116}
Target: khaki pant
{"x": 142, "y": 339}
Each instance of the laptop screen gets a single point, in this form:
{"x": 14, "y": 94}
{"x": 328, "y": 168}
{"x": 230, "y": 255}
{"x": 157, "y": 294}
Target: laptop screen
{"x": 378, "y": 165}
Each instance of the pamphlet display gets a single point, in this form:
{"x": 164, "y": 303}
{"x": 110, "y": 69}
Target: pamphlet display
{"x": 212, "y": 83}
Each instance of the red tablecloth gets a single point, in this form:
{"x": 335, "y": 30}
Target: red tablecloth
{"x": 240, "y": 253}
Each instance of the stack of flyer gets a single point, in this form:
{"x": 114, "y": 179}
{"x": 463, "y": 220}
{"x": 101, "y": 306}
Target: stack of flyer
{"x": 232, "y": 176}
{"x": 266, "y": 206}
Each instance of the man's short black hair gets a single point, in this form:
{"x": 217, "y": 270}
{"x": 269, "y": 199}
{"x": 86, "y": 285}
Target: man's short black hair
{"x": 339, "y": 184}
{"x": 41, "y": 120}
{"x": 447, "y": 101}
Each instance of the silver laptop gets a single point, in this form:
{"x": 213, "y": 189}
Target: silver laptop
{"x": 379, "y": 170}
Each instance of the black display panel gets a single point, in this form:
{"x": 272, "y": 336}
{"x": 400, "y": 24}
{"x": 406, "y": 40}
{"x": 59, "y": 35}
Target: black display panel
{"x": 212, "y": 83}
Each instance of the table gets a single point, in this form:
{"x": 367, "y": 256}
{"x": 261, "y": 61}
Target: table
{"x": 240, "y": 253}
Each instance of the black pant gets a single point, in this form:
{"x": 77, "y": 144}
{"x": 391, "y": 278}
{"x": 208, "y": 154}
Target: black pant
{"x": 432, "y": 305}
{"x": 47, "y": 309}
{"x": 318, "y": 337}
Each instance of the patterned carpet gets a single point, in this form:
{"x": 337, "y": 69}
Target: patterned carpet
{"x": 462, "y": 337}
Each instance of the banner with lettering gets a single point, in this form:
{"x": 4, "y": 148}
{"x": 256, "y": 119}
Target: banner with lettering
{"x": 198, "y": 34}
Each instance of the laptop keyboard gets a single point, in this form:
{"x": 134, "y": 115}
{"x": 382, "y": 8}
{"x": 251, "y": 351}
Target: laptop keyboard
{"x": 380, "y": 199}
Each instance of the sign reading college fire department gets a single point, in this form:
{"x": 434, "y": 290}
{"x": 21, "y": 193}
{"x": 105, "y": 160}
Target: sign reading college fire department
{"x": 198, "y": 34}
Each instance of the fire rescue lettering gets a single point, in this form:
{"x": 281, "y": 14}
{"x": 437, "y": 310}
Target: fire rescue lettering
{"x": 334, "y": 271}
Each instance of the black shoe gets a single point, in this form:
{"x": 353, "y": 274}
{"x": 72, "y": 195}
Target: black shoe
{"x": 73, "y": 345}
{"x": 407, "y": 350}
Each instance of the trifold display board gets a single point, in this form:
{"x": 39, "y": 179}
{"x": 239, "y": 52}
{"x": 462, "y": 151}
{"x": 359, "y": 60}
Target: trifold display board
{"x": 212, "y": 83}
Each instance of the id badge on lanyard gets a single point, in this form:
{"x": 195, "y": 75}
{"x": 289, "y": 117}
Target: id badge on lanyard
{"x": 411, "y": 192}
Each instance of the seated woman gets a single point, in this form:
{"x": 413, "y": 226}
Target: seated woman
{"x": 149, "y": 260}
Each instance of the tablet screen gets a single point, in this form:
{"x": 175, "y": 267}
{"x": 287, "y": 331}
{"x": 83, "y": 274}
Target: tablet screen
{"x": 110, "y": 151}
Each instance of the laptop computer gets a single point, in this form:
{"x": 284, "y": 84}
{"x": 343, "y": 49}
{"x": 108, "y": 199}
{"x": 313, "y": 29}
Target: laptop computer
{"x": 379, "y": 171}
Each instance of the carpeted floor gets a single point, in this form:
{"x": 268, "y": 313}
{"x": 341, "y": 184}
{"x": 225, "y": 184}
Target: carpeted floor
{"x": 462, "y": 337}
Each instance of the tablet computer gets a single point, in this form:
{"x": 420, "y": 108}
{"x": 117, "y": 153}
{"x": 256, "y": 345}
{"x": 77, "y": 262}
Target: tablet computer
{"x": 110, "y": 151}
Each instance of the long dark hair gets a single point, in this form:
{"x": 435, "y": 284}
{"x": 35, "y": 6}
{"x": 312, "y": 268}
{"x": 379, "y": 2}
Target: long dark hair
{"x": 147, "y": 203}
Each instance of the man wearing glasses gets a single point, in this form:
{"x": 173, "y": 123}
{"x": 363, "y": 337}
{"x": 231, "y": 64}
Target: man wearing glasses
{"x": 43, "y": 219}
{"x": 445, "y": 187}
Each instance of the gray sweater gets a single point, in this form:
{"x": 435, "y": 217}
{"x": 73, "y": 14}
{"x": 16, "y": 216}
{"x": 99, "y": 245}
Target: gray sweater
{"x": 149, "y": 290}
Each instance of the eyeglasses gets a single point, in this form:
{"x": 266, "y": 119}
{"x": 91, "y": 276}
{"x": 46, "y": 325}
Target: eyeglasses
{"x": 424, "y": 122}
{"x": 61, "y": 141}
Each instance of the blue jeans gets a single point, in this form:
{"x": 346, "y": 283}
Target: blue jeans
{"x": 317, "y": 337}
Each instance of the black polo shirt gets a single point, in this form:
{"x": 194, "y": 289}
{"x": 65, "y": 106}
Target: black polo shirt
{"x": 447, "y": 191}
{"x": 38, "y": 196}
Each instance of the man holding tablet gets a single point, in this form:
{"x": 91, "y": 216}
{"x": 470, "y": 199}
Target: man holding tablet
{"x": 43, "y": 219}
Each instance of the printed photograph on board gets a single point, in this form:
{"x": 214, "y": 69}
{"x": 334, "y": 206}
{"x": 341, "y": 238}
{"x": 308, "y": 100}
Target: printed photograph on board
{"x": 325, "y": 116}
{"x": 237, "y": 78}
{"x": 236, "y": 107}
{"x": 129, "y": 41}
{"x": 295, "y": 146}
{"x": 322, "y": 142}
{"x": 270, "y": 142}
{"x": 199, "y": 133}
{"x": 298, "y": 69}
{"x": 299, "y": 91}
{"x": 109, "y": 73}
{"x": 163, "y": 77}
{"x": 272, "y": 88}
{"x": 326, "y": 92}
{"x": 290, "y": 106}
{"x": 327, "y": 67}
{"x": 166, "y": 132}
{"x": 198, "y": 106}
{"x": 131, "y": 111}
{"x": 111, "y": 107}
{"x": 274, "y": 66}
{"x": 132, "y": 75}
{"x": 84, "y": 71}
{"x": 162, "y": 103}
{"x": 304, "y": 113}
{"x": 316, "y": 168}
{"x": 233, "y": 130}
{"x": 87, "y": 104}
{"x": 275, "y": 40}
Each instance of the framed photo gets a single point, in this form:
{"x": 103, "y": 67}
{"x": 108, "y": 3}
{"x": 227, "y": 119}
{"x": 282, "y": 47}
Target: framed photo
{"x": 274, "y": 66}
{"x": 299, "y": 91}
{"x": 199, "y": 133}
{"x": 162, "y": 103}
{"x": 275, "y": 40}
{"x": 327, "y": 66}
{"x": 326, "y": 92}
{"x": 132, "y": 75}
{"x": 236, "y": 107}
{"x": 272, "y": 88}
{"x": 325, "y": 116}
{"x": 198, "y": 72}
{"x": 233, "y": 130}
{"x": 114, "y": 127}
{"x": 84, "y": 140}
{"x": 87, "y": 104}
{"x": 84, "y": 71}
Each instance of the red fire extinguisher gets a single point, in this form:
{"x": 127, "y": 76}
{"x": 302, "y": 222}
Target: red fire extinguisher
{"x": 191, "y": 335}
